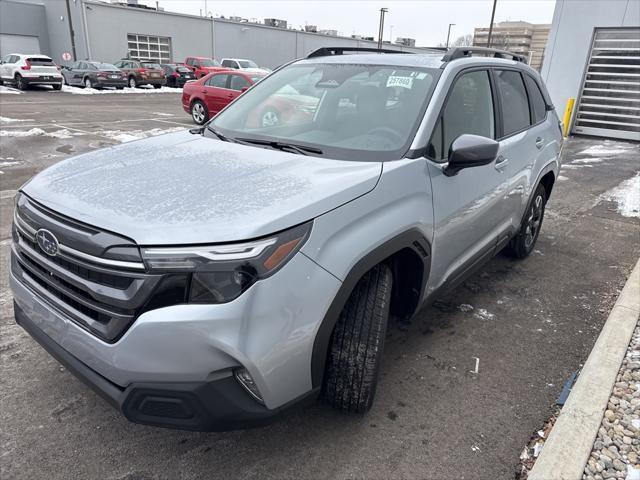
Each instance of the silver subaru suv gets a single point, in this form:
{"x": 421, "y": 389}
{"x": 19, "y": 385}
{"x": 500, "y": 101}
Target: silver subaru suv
{"x": 211, "y": 279}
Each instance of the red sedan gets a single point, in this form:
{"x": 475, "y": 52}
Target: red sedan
{"x": 205, "y": 97}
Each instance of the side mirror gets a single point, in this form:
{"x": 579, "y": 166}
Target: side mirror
{"x": 469, "y": 151}
{"x": 244, "y": 89}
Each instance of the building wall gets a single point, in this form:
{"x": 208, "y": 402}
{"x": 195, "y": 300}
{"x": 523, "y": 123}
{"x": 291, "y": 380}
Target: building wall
{"x": 107, "y": 26}
{"x": 570, "y": 38}
{"x": 524, "y": 38}
{"x": 17, "y": 18}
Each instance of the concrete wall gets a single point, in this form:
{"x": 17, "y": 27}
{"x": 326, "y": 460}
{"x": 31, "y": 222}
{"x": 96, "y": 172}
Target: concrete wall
{"x": 570, "y": 41}
{"x": 17, "y": 18}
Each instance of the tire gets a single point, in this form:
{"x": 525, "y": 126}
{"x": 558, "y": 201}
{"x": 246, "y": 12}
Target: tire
{"x": 270, "y": 118}
{"x": 357, "y": 342}
{"x": 120, "y": 88}
{"x": 57, "y": 86}
{"x": 524, "y": 242}
{"x": 157, "y": 86}
{"x": 20, "y": 83}
{"x": 87, "y": 82}
{"x": 133, "y": 83}
{"x": 199, "y": 112}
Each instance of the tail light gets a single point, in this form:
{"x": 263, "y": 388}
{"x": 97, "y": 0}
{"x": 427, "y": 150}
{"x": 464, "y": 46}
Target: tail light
{"x": 59, "y": 68}
{"x": 27, "y": 66}
{"x": 101, "y": 75}
{"x": 141, "y": 70}
{"x": 175, "y": 74}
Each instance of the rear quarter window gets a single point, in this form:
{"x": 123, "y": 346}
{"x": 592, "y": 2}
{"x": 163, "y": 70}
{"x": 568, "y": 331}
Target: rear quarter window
{"x": 538, "y": 104}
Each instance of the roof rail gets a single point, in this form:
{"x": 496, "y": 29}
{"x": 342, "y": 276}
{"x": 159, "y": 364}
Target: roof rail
{"x": 461, "y": 52}
{"x": 329, "y": 51}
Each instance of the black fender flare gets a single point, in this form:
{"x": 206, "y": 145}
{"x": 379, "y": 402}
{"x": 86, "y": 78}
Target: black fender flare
{"x": 413, "y": 239}
{"x": 549, "y": 167}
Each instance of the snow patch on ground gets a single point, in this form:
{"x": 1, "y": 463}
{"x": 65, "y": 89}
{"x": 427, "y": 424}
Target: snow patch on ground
{"x": 465, "y": 307}
{"x": 604, "y": 150}
{"x": 562, "y": 179}
{"x": 93, "y": 91}
{"x": 10, "y": 120}
{"x": 9, "y": 90}
{"x": 162, "y": 114}
{"x": 9, "y": 164}
{"x": 588, "y": 160}
{"x": 483, "y": 314}
{"x": 626, "y": 195}
{"x": 131, "y": 135}
{"x": 35, "y": 132}
{"x": 573, "y": 167}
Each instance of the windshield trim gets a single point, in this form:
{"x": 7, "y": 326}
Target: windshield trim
{"x": 343, "y": 153}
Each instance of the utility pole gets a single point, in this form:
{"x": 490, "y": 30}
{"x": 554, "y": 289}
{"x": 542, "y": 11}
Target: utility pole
{"x": 449, "y": 33}
{"x": 493, "y": 14}
{"x": 71, "y": 34}
{"x": 381, "y": 28}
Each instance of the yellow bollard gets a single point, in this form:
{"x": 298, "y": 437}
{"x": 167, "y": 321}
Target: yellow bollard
{"x": 566, "y": 120}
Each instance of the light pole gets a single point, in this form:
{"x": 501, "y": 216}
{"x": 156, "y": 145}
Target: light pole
{"x": 71, "y": 32}
{"x": 449, "y": 33}
{"x": 493, "y": 14}
{"x": 383, "y": 11}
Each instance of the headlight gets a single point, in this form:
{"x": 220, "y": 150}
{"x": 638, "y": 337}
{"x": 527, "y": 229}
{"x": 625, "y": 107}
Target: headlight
{"x": 221, "y": 273}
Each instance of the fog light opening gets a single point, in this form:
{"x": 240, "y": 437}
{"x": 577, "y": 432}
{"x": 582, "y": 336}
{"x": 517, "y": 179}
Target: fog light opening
{"x": 246, "y": 380}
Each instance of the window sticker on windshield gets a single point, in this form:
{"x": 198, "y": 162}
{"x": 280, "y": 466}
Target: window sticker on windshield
{"x": 396, "y": 81}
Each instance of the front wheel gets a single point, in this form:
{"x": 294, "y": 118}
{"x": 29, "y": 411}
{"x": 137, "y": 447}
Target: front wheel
{"x": 199, "y": 112}
{"x": 357, "y": 342}
{"x": 522, "y": 244}
{"x": 88, "y": 83}
{"x": 132, "y": 82}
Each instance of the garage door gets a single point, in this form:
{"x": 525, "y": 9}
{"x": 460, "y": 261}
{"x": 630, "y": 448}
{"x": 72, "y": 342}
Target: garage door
{"x": 18, "y": 44}
{"x": 609, "y": 104}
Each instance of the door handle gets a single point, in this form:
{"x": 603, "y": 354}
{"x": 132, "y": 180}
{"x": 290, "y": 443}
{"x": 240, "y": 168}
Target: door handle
{"x": 539, "y": 143}
{"x": 501, "y": 162}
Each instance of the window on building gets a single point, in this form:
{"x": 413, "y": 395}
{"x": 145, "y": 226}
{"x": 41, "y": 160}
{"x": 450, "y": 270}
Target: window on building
{"x": 515, "y": 105}
{"x": 149, "y": 48}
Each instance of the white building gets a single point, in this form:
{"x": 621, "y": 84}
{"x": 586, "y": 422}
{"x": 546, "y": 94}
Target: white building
{"x": 593, "y": 55}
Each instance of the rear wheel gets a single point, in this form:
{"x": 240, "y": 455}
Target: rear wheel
{"x": 357, "y": 342}
{"x": 199, "y": 112}
{"x": 132, "y": 82}
{"x": 157, "y": 86}
{"x": 523, "y": 243}
{"x": 57, "y": 86}
{"x": 20, "y": 83}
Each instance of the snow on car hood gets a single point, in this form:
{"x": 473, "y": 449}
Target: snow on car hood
{"x": 182, "y": 188}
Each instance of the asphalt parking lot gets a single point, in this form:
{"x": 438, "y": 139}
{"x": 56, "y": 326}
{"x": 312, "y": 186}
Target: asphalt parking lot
{"x": 530, "y": 324}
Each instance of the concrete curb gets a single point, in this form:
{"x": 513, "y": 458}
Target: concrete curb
{"x": 569, "y": 445}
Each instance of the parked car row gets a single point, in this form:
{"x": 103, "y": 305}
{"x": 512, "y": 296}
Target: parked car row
{"x": 24, "y": 70}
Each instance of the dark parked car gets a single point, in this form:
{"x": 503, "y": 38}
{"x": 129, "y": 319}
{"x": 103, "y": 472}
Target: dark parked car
{"x": 142, "y": 73}
{"x": 207, "y": 96}
{"x": 94, "y": 75}
{"x": 177, "y": 75}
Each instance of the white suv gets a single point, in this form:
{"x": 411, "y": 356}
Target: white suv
{"x": 242, "y": 64}
{"x": 24, "y": 70}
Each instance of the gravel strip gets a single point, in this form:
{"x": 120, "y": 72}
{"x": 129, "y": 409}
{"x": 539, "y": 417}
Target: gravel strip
{"x": 616, "y": 451}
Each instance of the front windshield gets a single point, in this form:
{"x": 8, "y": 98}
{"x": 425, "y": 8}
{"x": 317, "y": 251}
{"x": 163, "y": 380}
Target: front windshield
{"x": 349, "y": 111}
{"x": 247, "y": 64}
{"x": 208, "y": 62}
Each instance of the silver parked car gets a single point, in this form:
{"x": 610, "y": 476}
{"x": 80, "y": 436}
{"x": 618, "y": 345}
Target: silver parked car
{"x": 210, "y": 279}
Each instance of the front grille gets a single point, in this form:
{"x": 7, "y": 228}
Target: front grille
{"x": 93, "y": 291}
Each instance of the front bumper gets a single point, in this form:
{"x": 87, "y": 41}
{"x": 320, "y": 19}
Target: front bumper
{"x": 217, "y": 405}
{"x": 269, "y": 330}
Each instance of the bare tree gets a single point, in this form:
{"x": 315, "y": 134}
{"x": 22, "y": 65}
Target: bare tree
{"x": 463, "y": 41}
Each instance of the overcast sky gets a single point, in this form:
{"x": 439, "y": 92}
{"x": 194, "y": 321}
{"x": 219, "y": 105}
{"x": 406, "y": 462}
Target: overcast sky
{"x": 424, "y": 20}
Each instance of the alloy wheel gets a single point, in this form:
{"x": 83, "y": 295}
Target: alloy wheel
{"x": 533, "y": 221}
{"x": 197, "y": 112}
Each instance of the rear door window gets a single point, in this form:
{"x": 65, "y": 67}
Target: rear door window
{"x": 219, "y": 81}
{"x": 514, "y": 101}
{"x": 538, "y": 104}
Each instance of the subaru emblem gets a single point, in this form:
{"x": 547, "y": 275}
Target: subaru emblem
{"x": 47, "y": 242}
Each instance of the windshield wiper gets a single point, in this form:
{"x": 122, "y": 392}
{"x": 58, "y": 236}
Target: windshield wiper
{"x": 218, "y": 134}
{"x": 300, "y": 149}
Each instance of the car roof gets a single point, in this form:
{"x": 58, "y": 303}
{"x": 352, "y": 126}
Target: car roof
{"x": 30, "y": 55}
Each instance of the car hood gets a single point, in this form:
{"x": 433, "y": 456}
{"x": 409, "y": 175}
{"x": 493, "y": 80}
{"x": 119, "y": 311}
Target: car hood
{"x": 182, "y": 188}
